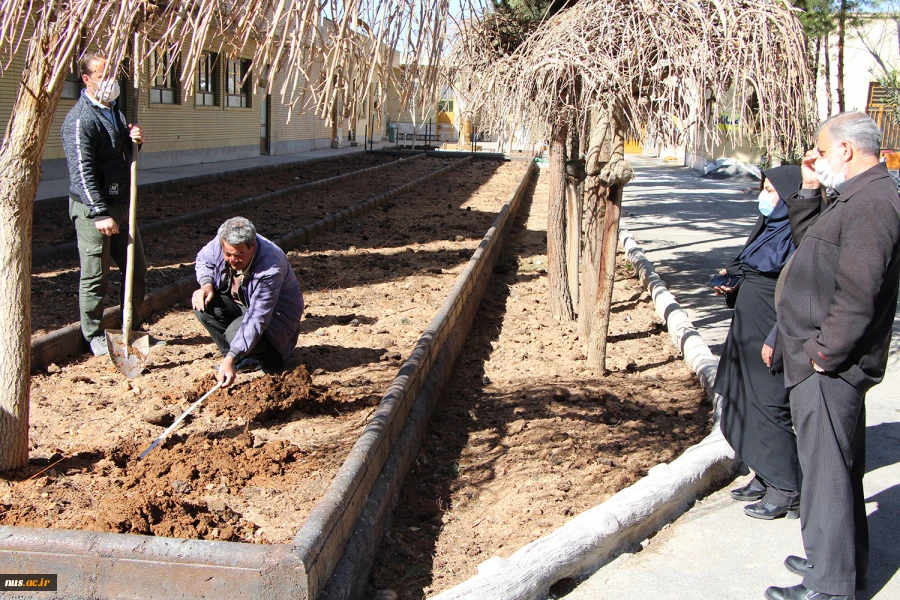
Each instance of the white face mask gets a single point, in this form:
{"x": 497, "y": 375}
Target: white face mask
{"x": 827, "y": 176}
{"x": 107, "y": 90}
{"x": 766, "y": 202}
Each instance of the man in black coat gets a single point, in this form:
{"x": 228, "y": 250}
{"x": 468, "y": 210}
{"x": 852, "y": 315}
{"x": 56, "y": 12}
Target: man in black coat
{"x": 833, "y": 335}
{"x": 97, "y": 141}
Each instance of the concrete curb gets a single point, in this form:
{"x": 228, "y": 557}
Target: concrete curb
{"x": 68, "y": 340}
{"x": 351, "y": 574}
{"x": 44, "y": 255}
{"x": 596, "y": 536}
{"x": 106, "y": 565}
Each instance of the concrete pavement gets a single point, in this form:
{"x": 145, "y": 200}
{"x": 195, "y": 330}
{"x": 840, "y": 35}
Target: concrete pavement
{"x": 689, "y": 227}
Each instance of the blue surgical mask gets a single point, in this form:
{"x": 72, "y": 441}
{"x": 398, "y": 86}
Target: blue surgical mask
{"x": 766, "y": 203}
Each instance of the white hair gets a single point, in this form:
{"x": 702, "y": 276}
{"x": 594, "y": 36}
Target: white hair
{"x": 236, "y": 231}
{"x": 855, "y": 128}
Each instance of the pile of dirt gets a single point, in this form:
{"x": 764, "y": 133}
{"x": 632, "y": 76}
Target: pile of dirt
{"x": 178, "y": 489}
{"x": 267, "y": 397}
{"x": 163, "y": 493}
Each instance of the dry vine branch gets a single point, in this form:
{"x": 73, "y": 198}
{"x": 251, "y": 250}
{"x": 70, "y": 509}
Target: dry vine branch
{"x": 671, "y": 64}
{"x": 393, "y": 44}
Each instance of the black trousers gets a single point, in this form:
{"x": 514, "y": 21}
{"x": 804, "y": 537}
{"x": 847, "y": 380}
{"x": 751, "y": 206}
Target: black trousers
{"x": 222, "y": 317}
{"x": 830, "y": 418}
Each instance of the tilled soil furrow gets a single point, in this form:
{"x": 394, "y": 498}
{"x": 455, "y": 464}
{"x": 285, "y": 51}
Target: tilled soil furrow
{"x": 254, "y": 459}
{"x": 170, "y": 254}
{"x": 524, "y": 437}
{"x": 53, "y": 227}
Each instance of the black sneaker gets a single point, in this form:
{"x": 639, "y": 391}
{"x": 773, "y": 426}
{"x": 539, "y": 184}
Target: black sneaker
{"x": 247, "y": 365}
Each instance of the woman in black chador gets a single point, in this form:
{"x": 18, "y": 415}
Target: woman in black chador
{"x": 756, "y": 418}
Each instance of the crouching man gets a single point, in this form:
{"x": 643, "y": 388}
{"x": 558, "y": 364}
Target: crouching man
{"x": 249, "y": 300}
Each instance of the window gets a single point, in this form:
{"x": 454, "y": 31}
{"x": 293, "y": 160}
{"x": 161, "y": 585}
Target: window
{"x": 445, "y": 106}
{"x": 235, "y": 86}
{"x": 163, "y": 77}
{"x": 73, "y": 84}
{"x": 206, "y": 80}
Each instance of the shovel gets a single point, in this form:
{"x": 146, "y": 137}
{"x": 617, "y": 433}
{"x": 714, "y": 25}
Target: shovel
{"x": 129, "y": 350}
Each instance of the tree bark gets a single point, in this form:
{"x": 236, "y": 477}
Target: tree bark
{"x": 595, "y": 195}
{"x": 560, "y": 298}
{"x": 614, "y": 175}
{"x": 20, "y": 173}
{"x": 573, "y": 215}
{"x": 829, "y": 101}
{"x": 605, "y": 279}
{"x": 842, "y": 25}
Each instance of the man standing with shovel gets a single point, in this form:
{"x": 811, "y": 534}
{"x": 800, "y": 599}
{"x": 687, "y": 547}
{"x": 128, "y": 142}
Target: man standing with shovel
{"x": 98, "y": 144}
{"x": 249, "y": 300}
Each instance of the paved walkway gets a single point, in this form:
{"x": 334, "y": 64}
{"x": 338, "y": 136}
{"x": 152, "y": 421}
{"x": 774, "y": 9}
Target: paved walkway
{"x": 55, "y": 188}
{"x": 688, "y": 227}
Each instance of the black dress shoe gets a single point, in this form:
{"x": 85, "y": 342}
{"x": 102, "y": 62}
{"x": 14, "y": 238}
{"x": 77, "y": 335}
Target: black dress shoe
{"x": 768, "y": 511}
{"x": 800, "y": 592}
{"x": 799, "y": 565}
{"x": 748, "y": 493}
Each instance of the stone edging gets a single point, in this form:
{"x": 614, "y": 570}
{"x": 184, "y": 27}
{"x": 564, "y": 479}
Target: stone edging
{"x": 598, "y": 535}
{"x": 68, "y": 340}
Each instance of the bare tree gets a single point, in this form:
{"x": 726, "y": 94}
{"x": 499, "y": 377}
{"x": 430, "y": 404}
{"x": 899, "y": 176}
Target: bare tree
{"x": 289, "y": 36}
{"x": 644, "y": 58}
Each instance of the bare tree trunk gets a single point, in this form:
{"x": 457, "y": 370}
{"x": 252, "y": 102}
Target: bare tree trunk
{"x": 605, "y": 279}
{"x": 616, "y": 174}
{"x": 595, "y": 195}
{"x": 829, "y": 101}
{"x": 560, "y": 299}
{"x": 573, "y": 214}
{"x": 20, "y": 173}
{"x": 814, "y": 62}
{"x": 842, "y": 26}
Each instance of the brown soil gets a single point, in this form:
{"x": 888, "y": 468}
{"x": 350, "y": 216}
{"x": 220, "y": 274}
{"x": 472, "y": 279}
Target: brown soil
{"x": 170, "y": 254}
{"x": 523, "y": 438}
{"x": 53, "y": 227}
{"x": 371, "y": 288}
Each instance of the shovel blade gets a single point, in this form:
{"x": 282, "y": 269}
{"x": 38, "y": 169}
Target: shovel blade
{"x": 132, "y": 362}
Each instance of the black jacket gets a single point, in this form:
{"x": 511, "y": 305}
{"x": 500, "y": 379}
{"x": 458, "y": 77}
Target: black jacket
{"x": 840, "y": 290}
{"x": 98, "y": 156}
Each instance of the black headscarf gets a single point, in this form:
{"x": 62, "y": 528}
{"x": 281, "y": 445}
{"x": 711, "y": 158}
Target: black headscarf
{"x": 774, "y": 245}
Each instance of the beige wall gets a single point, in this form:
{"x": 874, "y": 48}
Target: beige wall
{"x": 185, "y": 133}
